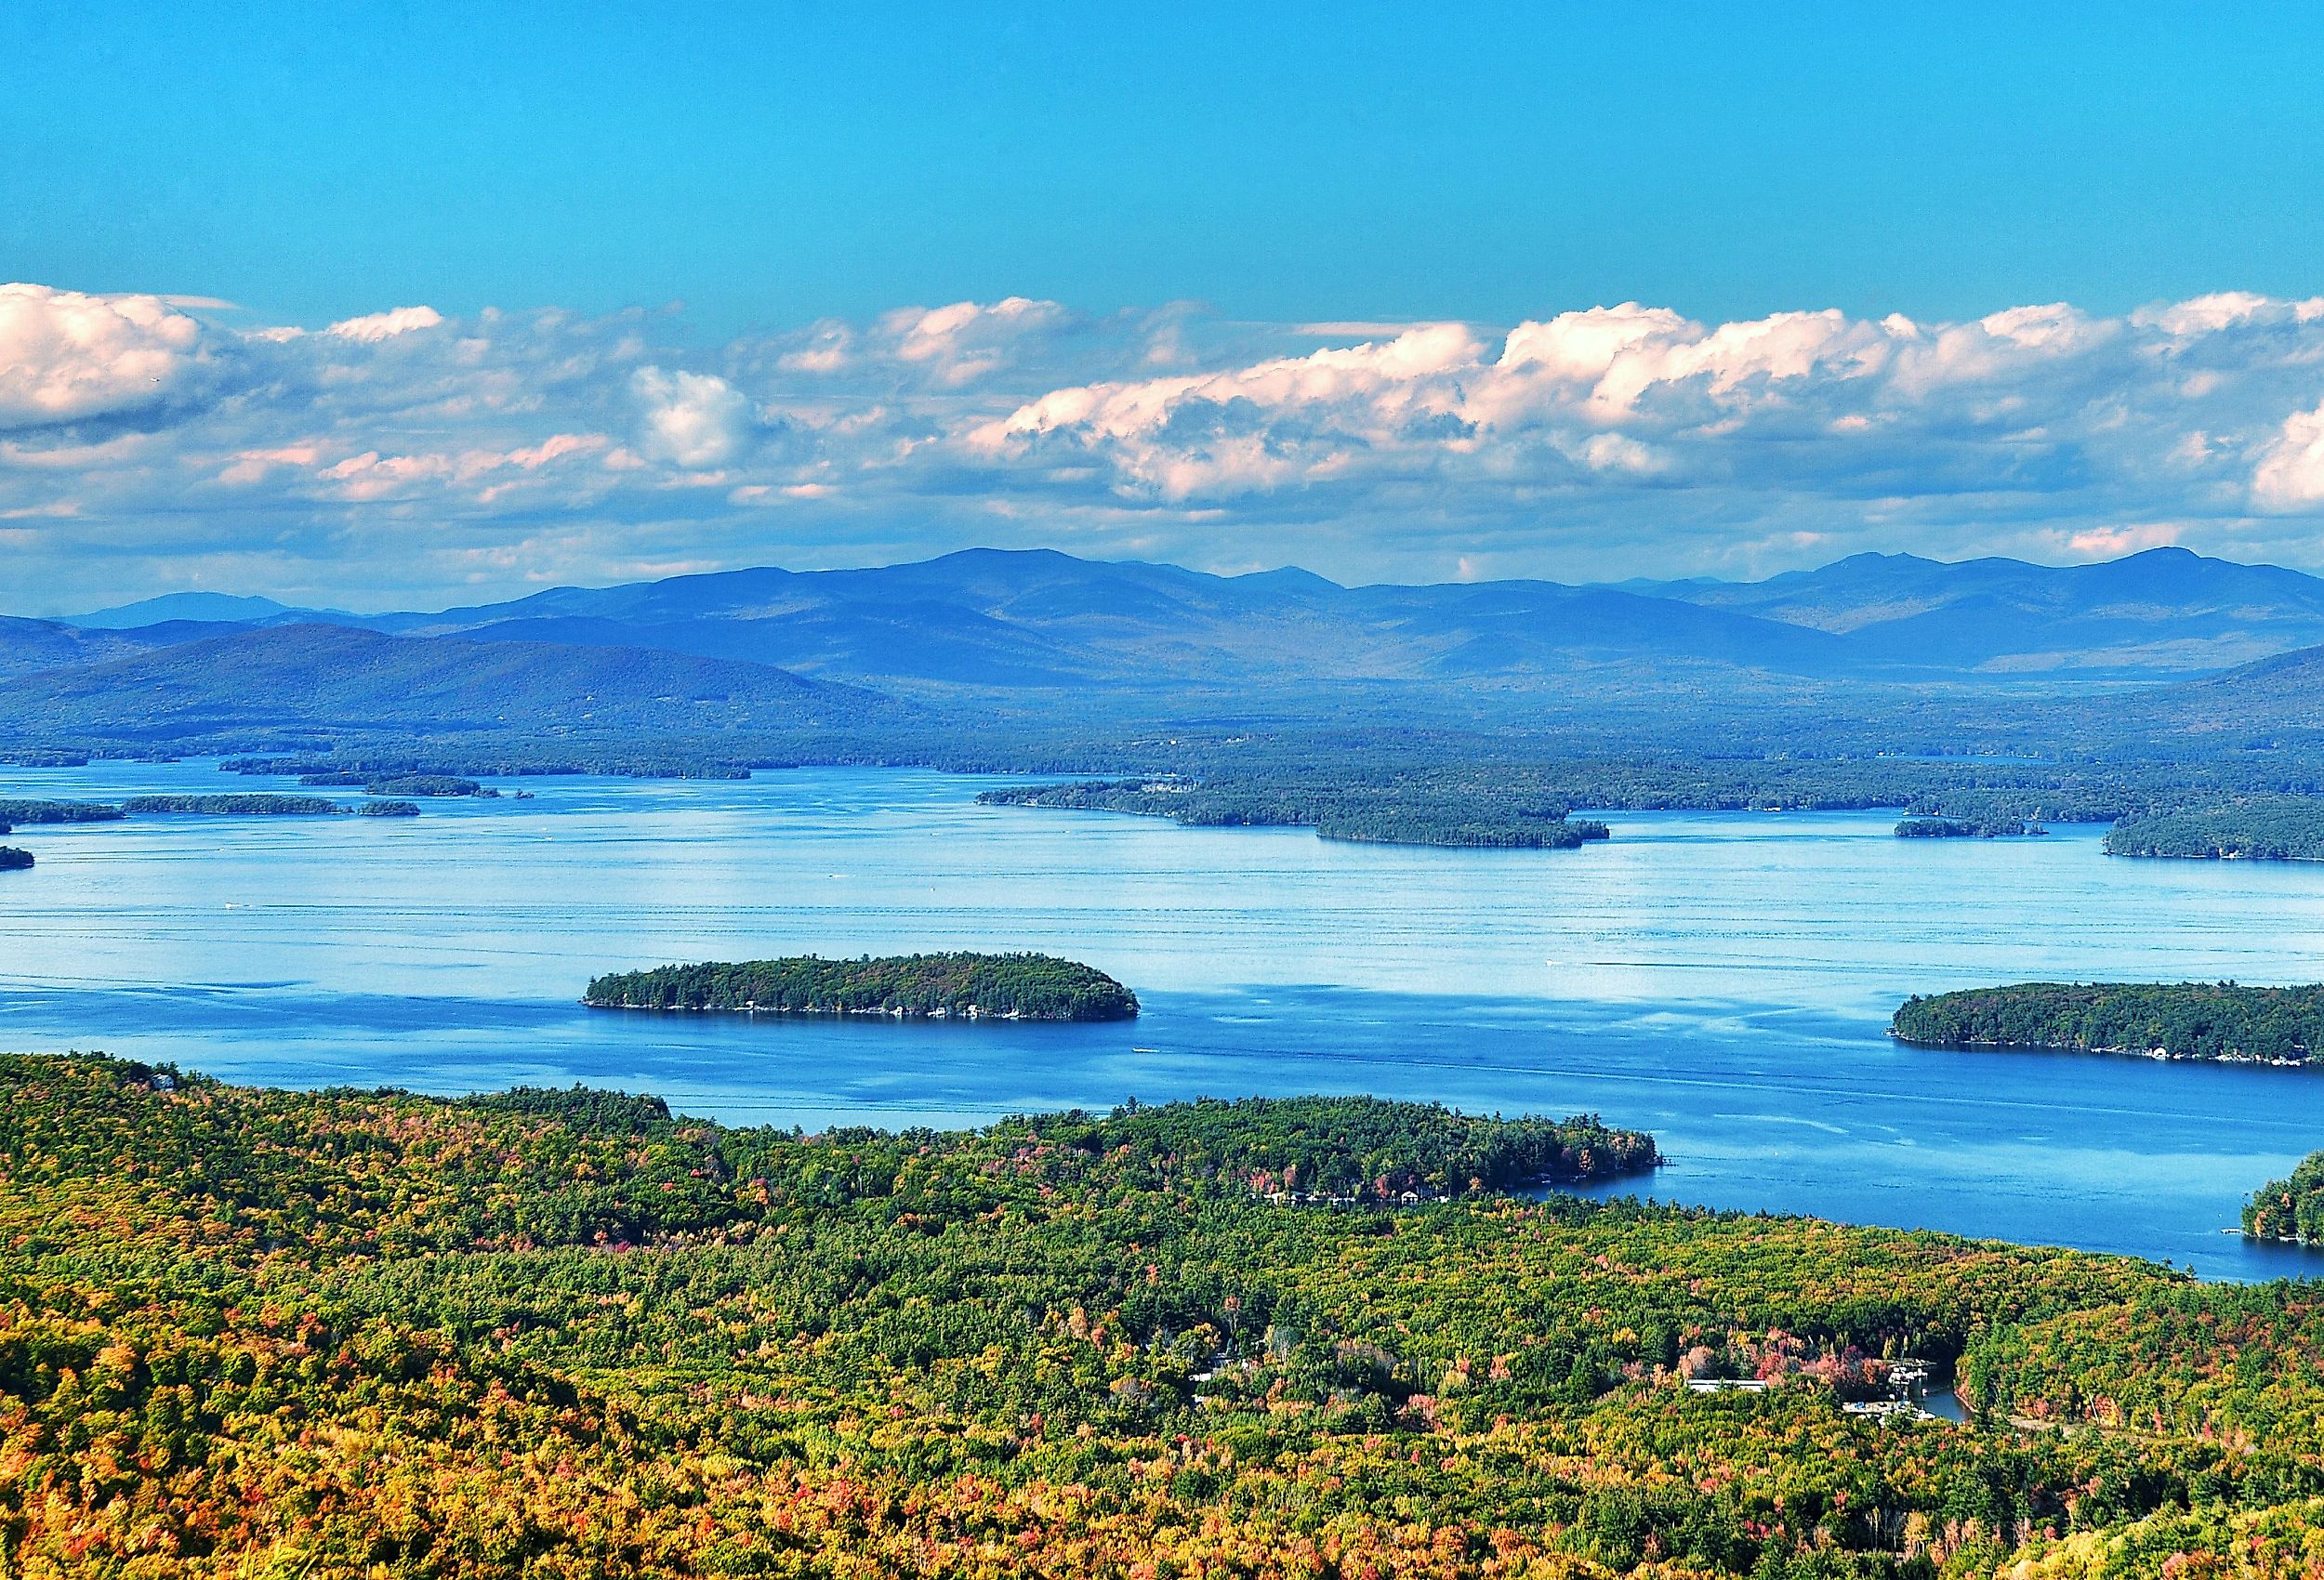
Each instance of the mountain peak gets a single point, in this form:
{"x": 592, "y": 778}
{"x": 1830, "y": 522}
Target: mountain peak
{"x": 206, "y": 606}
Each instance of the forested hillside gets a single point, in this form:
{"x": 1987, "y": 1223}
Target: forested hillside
{"x": 568, "y": 1333}
{"x": 357, "y": 683}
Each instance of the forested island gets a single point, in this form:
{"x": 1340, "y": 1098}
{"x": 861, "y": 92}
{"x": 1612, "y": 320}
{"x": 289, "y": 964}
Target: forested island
{"x": 1966, "y": 828}
{"x": 1388, "y": 815}
{"x": 233, "y": 806}
{"x": 566, "y": 1333}
{"x": 963, "y": 985}
{"x": 13, "y": 860}
{"x": 2278, "y": 828}
{"x": 2201, "y": 1020}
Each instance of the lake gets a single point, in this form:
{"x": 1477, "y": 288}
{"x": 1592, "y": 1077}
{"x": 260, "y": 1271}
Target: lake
{"x": 1722, "y": 980}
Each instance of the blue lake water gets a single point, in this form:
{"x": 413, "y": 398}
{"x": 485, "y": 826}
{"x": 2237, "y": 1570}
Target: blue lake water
{"x": 1722, "y": 980}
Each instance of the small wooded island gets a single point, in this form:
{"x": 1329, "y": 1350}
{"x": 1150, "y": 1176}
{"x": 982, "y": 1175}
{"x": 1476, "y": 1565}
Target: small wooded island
{"x": 2222, "y": 1021}
{"x": 1967, "y": 828}
{"x": 12, "y": 860}
{"x": 960, "y": 985}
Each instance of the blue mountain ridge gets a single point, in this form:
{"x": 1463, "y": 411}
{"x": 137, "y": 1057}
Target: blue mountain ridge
{"x": 992, "y": 619}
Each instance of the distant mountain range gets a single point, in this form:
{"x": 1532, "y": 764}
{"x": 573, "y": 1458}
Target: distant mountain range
{"x": 988, "y": 618}
{"x": 778, "y": 650}
{"x": 993, "y": 618}
{"x": 2166, "y": 610}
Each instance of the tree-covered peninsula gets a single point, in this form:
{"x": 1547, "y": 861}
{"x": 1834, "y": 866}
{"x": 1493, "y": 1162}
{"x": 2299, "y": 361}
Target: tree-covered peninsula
{"x": 968, "y": 986}
{"x": 2263, "y": 828}
{"x": 1361, "y": 1148}
{"x": 562, "y": 1334}
{"x": 2204, "y": 1021}
{"x": 2290, "y": 1209}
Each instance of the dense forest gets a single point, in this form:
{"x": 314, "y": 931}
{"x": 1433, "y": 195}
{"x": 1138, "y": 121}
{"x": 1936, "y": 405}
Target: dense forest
{"x": 2216, "y": 1020}
{"x": 2269, "y": 828}
{"x": 2289, "y": 1210}
{"x": 1015, "y": 987}
{"x": 568, "y": 1333}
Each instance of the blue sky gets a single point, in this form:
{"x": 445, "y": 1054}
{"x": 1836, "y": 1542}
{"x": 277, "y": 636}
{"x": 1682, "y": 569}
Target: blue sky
{"x": 1178, "y": 191}
{"x": 773, "y": 164}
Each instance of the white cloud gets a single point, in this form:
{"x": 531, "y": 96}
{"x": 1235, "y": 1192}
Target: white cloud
{"x": 250, "y": 466}
{"x": 1262, "y": 426}
{"x": 2225, "y": 310}
{"x": 2110, "y": 543}
{"x": 694, "y": 419}
{"x": 2026, "y": 409}
{"x": 963, "y": 342}
{"x": 372, "y": 328}
{"x": 828, "y": 347}
{"x": 2290, "y": 471}
{"x": 405, "y": 446}
{"x": 65, "y": 356}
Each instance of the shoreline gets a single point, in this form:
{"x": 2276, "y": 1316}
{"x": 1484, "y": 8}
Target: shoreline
{"x": 895, "y": 1012}
{"x": 2156, "y": 1055}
